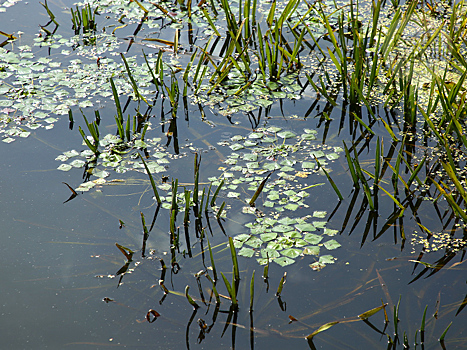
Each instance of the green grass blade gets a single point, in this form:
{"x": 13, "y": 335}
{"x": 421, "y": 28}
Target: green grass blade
{"x": 117, "y": 101}
{"x": 213, "y": 200}
{"x": 153, "y": 184}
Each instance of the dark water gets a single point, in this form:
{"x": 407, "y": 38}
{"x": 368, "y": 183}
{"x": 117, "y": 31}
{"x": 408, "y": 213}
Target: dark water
{"x": 56, "y": 257}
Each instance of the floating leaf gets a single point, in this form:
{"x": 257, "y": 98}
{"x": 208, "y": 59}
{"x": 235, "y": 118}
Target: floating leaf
{"x": 271, "y": 166}
{"x": 255, "y": 135}
{"x": 332, "y": 244}
{"x": 291, "y": 206}
{"x": 330, "y": 232}
{"x": 309, "y": 165}
{"x": 311, "y": 250}
{"x": 78, "y": 163}
{"x": 252, "y": 157}
{"x": 312, "y": 238}
{"x": 273, "y": 195}
{"x": 65, "y": 167}
{"x": 287, "y": 221}
{"x": 305, "y": 227}
{"x": 319, "y": 224}
{"x": 282, "y": 228}
{"x": 284, "y": 261}
{"x": 319, "y": 214}
{"x": 291, "y": 252}
{"x": 292, "y": 234}
{"x": 327, "y": 259}
{"x": 271, "y": 253}
{"x": 254, "y": 242}
{"x": 236, "y": 147}
{"x": 332, "y": 156}
{"x": 286, "y": 134}
{"x": 308, "y": 137}
{"x": 274, "y": 129}
{"x": 240, "y": 239}
{"x": 317, "y": 154}
{"x": 246, "y": 252}
{"x": 268, "y": 236}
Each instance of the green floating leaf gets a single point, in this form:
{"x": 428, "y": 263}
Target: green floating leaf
{"x": 273, "y": 195}
{"x": 287, "y": 169}
{"x": 256, "y": 135}
{"x": 308, "y": 137}
{"x": 332, "y": 244}
{"x": 246, "y": 252}
{"x": 77, "y": 163}
{"x": 10, "y": 140}
{"x": 271, "y": 166}
{"x": 251, "y": 157}
{"x": 308, "y": 165}
{"x": 291, "y": 252}
{"x": 292, "y": 234}
{"x": 319, "y": 214}
{"x": 254, "y": 242}
{"x": 287, "y": 221}
{"x": 327, "y": 259}
{"x": 268, "y": 236}
{"x": 100, "y": 173}
{"x": 319, "y": 224}
{"x": 236, "y": 147}
{"x": 291, "y": 206}
{"x": 305, "y": 227}
{"x": 286, "y": 134}
{"x": 274, "y": 129}
{"x": 317, "y": 154}
{"x": 282, "y": 228}
{"x": 311, "y": 250}
{"x": 65, "y": 167}
{"x": 240, "y": 239}
{"x": 272, "y": 253}
{"x": 313, "y": 238}
{"x": 284, "y": 261}
{"x": 299, "y": 243}
{"x": 330, "y": 232}
{"x": 332, "y": 156}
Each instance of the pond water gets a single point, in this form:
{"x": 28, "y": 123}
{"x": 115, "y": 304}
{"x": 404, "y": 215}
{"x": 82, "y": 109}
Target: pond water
{"x": 60, "y": 284}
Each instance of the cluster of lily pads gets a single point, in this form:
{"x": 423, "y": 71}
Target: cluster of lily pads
{"x": 287, "y": 239}
{"x": 274, "y": 235}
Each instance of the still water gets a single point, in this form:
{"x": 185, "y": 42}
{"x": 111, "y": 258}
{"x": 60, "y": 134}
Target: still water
{"x": 59, "y": 260}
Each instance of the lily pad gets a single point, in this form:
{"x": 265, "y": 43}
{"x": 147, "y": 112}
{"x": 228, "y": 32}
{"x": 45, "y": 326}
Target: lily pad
{"x": 327, "y": 259}
{"x": 284, "y": 261}
{"x": 268, "y": 236}
{"x": 312, "y": 238}
{"x": 305, "y": 227}
{"x": 65, "y": 167}
{"x": 331, "y": 244}
{"x": 291, "y": 252}
{"x": 286, "y": 134}
{"x": 246, "y": 252}
{"x": 311, "y": 250}
{"x": 282, "y": 228}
